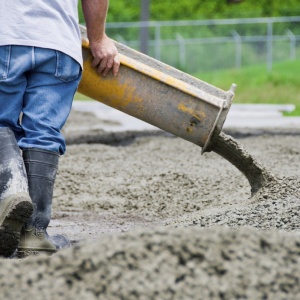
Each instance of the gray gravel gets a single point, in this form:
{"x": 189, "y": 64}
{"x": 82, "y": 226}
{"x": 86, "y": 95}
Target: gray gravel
{"x": 153, "y": 219}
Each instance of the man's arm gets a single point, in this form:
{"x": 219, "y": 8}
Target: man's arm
{"x": 102, "y": 47}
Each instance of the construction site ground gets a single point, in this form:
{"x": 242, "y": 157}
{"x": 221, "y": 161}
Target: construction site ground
{"x": 149, "y": 217}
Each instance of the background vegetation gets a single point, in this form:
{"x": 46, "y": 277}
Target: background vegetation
{"x": 129, "y": 11}
{"x": 255, "y": 85}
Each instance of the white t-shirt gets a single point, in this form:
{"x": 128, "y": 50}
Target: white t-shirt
{"x": 49, "y": 24}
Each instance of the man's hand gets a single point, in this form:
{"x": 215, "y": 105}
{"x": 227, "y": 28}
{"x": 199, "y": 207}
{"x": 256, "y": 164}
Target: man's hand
{"x": 102, "y": 47}
{"x": 105, "y": 56}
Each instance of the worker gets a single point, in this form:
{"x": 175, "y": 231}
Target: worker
{"x": 40, "y": 69}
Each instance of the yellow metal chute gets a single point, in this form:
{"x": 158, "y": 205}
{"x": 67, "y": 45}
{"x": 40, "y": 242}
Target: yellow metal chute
{"x": 159, "y": 95}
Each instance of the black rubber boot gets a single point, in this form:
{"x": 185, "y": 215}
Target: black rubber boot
{"x": 41, "y": 167}
{"x": 15, "y": 203}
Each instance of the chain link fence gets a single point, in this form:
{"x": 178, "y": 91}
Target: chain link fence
{"x": 206, "y": 45}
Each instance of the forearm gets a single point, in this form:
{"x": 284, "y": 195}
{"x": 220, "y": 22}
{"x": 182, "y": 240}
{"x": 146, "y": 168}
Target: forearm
{"x": 102, "y": 47}
{"x": 95, "y": 12}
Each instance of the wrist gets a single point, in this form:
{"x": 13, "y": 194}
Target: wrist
{"x": 96, "y": 38}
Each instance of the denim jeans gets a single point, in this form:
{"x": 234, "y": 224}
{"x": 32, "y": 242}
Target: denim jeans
{"x": 39, "y": 84}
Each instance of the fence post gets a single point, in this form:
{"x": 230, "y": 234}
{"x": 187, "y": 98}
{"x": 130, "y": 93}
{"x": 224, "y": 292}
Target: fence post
{"x": 182, "y": 51}
{"x": 269, "y": 45}
{"x": 144, "y": 29}
{"x": 292, "y": 44}
{"x": 238, "y": 49}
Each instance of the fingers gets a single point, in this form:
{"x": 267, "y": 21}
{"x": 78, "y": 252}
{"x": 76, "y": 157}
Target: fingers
{"x": 105, "y": 58}
{"x": 105, "y": 65}
{"x": 116, "y": 65}
{"x": 101, "y": 65}
{"x": 96, "y": 61}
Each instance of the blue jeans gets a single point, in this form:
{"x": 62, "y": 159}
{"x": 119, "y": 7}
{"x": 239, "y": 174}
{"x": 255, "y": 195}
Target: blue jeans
{"x": 39, "y": 84}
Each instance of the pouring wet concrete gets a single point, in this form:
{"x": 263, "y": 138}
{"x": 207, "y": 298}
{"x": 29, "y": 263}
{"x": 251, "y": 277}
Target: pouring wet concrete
{"x": 153, "y": 219}
{"x": 257, "y": 175}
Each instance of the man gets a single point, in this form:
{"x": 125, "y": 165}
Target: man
{"x": 40, "y": 68}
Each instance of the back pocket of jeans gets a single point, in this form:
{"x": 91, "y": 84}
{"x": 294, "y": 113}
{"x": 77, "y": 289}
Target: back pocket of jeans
{"x": 67, "y": 68}
{"x": 4, "y": 61}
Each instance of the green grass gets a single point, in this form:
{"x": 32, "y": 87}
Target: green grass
{"x": 294, "y": 113}
{"x": 81, "y": 97}
{"x": 256, "y": 85}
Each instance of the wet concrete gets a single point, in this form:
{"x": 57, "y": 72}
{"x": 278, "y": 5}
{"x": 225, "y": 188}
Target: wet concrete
{"x": 257, "y": 175}
{"x": 153, "y": 219}
{"x": 216, "y": 263}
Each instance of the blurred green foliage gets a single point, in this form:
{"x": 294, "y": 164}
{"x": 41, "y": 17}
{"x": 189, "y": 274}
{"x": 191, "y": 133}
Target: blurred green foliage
{"x": 129, "y": 11}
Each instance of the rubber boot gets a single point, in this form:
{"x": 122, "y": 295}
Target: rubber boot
{"x": 41, "y": 167}
{"x": 15, "y": 203}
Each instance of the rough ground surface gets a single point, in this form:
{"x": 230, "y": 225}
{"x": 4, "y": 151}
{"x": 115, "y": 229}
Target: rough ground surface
{"x": 153, "y": 219}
